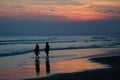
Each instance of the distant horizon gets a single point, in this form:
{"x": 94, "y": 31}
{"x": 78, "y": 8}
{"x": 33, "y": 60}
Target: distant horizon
{"x": 60, "y": 35}
{"x": 63, "y": 17}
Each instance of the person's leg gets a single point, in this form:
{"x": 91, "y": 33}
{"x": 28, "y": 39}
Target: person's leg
{"x": 38, "y": 55}
{"x": 47, "y": 55}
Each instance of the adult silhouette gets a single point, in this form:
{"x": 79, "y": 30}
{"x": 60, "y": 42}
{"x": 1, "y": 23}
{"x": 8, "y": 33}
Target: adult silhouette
{"x": 37, "y": 66}
{"x": 47, "y": 48}
{"x": 47, "y": 65}
{"x": 37, "y": 51}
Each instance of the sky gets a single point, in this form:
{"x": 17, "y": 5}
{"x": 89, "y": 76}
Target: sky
{"x": 59, "y": 17}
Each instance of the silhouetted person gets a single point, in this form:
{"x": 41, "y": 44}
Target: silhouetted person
{"x": 47, "y": 48}
{"x": 37, "y": 62}
{"x": 37, "y": 51}
{"x": 47, "y": 65}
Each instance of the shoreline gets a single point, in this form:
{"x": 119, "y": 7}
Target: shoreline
{"x": 57, "y": 55}
{"x": 57, "y": 65}
{"x": 111, "y": 73}
{"x": 42, "y": 50}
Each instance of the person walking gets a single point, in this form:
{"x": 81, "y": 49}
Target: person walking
{"x": 47, "y": 48}
{"x": 37, "y": 51}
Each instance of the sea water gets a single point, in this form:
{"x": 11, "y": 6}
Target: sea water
{"x": 68, "y": 54}
{"x": 19, "y": 44}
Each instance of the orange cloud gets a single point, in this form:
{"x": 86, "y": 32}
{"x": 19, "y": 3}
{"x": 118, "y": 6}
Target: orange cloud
{"x": 56, "y": 10}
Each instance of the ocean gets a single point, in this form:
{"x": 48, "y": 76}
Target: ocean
{"x": 19, "y": 44}
{"x": 67, "y": 54}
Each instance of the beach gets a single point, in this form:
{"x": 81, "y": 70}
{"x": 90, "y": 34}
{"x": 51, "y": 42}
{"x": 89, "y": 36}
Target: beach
{"x": 97, "y": 74}
{"x": 110, "y": 73}
{"x": 59, "y": 39}
{"x": 79, "y": 64}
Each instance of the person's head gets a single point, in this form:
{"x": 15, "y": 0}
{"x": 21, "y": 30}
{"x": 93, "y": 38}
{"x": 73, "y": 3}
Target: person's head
{"x": 37, "y": 44}
{"x": 47, "y": 43}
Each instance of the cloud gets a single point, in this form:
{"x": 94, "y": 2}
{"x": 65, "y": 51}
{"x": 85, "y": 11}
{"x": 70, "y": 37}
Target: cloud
{"x": 42, "y": 2}
{"x": 54, "y": 2}
{"x": 60, "y": 10}
{"x": 107, "y": 10}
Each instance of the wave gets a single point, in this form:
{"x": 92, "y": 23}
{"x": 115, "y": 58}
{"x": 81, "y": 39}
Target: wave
{"x": 13, "y": 53}
{"x": 33, "y": 42}
{"x": 58, "y": 39}
{"x": 10, "y": 46}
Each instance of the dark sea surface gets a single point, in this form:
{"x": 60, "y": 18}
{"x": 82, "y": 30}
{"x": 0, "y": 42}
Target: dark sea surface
{"x": 17, "y": 45}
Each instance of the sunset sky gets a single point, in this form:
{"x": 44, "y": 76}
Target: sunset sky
{"x": 59, "y": 16}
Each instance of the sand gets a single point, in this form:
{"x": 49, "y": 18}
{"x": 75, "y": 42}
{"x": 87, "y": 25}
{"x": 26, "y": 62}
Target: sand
{"x": 91, "y": 67}
{"x": 111, "y": 73}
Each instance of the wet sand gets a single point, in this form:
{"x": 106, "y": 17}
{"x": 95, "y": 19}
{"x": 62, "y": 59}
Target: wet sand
{"x": 111, "y": 73}
{"x": 47, "y": 69}
{"x": 73, "y": 68}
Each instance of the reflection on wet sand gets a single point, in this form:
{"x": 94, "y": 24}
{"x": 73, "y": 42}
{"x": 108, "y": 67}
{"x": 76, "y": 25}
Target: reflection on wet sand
{"x": 74, "y": 65}
{"x": 47, "y": 65}
{"x": 37, "y": 66}
{"x": 65, "y": 66}
{"x": 42, "y": 66}
{"x": 62, "y": 66}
